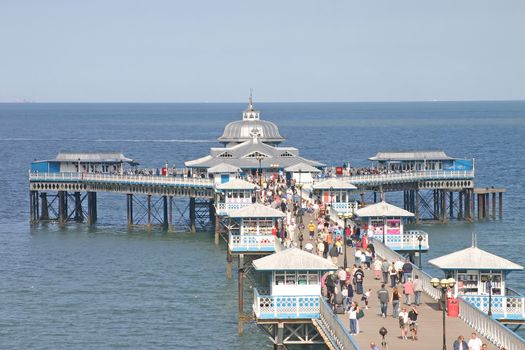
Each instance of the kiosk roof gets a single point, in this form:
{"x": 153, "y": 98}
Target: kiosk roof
{"x": 293, "y": 259}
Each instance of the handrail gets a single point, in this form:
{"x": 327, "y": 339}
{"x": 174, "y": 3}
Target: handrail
{"x": 494, "y": 331}
{"x": 337, "y": 331}
{"x": 405, "y": 176}
{"x": 149, "y": 179}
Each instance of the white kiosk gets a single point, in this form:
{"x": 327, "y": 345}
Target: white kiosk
{"x": 234, "y": 194}
{"x": 335, "y": 194}
{"x": 223, "y": 173}
{"x": 295, "y": 288}
{"x": 254, "y": 235}
{"x": 384, "y": 222}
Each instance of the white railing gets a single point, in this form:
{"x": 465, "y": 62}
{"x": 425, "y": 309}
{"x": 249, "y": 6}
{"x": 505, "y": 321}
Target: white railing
{"x": 408, "y": 240}
{"x": 142, "y": 179}
{"x": 285, "y": 307}
{"x": 251, "y": 243}
{"x": 335, "y": 329}
{"x": 406, "y": 176}
{"x": 226, "y": 208}
{"x": 502, "y": 307}
{"x": 494, "y": 331}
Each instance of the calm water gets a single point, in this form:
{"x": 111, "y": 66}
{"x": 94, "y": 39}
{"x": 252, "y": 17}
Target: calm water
{"x": 76, "y": 288}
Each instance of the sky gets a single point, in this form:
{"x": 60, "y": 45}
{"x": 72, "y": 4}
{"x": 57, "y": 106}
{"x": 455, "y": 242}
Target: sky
{"x": 215, "y": 51}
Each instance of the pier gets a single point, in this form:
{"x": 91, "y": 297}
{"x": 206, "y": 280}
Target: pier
{"x": 225, "y": 192}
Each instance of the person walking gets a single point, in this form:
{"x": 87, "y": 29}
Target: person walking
{"x": 352, "y": 315}
{"x": 377, "y": 268}
{"x": 408, "y": 290}
{"x": 407, "y": 271}
{"x": 392, "y": 272}
{"x": 460, "y": 344}
{"x": 311, "y": 229}
{"x": 412, "y": 322}
{"x": 320, "y": 248}
{"x": 418, "y": 289}
{"x": 395, "y": 302}
{"x": 385, "y": 266}
{"x": 474, "y": 343}
{"x": 403, "y": 322}
{"x": 334, "y": 254}
{"x": 383, "y": 297}
{"x": 357, "y": 256}
{"x": 359, "y": 277}
{"x": 349, "y": 295}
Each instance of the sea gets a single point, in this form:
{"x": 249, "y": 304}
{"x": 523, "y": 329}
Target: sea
{"x": 109, "y": 288}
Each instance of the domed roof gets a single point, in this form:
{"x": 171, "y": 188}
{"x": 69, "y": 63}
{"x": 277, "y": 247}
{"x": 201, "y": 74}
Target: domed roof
{"x": 249, "y": 127}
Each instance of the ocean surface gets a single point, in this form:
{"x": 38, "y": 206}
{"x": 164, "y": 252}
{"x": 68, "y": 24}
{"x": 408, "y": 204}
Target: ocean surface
{"x": 107, "y": 288}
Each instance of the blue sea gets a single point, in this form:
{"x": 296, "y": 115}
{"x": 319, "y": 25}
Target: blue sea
{"x": 109, "y": 288}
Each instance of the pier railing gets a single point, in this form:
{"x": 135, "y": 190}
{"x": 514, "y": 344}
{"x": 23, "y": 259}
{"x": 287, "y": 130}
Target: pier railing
{"x": 252, "y": 243}
{"x": 406, "y": 177}
{"x": 335, "y": 329}
{"x": 407, "y": 240}
{"x": 494, "y": 331}
{"x": 285, "y": 307}
{"x": 226, "y": 208}
{"x": 502, "y": 307}
{"x": 121, "y": 179}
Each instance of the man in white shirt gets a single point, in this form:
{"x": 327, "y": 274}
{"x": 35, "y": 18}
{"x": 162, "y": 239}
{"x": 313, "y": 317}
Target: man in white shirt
{"x": 474, "y": 343}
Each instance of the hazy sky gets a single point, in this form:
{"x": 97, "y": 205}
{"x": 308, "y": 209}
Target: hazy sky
{"x": 178, "y": 51}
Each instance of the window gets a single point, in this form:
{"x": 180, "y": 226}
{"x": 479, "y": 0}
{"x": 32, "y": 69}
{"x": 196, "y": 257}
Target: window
{"x": 279, "y": 278}
{"x": 287, "y": 154}
{"x": 225, "y": 155}
{"x": 256, "y": 155}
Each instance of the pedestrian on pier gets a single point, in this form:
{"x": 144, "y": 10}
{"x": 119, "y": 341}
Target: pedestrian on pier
{"x": 385, "y": 266}
{"x": 403, "y": 322}
{"x": 352, "y": 315}
{"x": 474, "y": 343}
{"x": 408, "y": 291}
{"x": 349, "y": 291}
{"x": 383, "y": 296}
{"x": 373, "y": 346}
{"x": 460, "y": 344}
{"x": 407, "y": 270}
{"x": 418, "y": 289}
{"x": 377, "y": 268}
{"x": 395, "y": 302}
{"x": 392, "y": 272}
{"x": 359, "y": 277}
{"x": 412, "y": 323}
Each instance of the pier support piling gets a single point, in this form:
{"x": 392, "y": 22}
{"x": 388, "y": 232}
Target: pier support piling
{"x": 165, "y": 219}
{"x": 92, "y": 208}
{"x": 62, "y": 207}
{"x": 44, "y": 213}
{"x": 79, "y": 213}
{"x": 240, "y": 324}
{"x": 493, "y": 206}
{"x": 192, "y": 215}
{"x": 129, "y": 201}
{"x": 229, "y": 261}
{"x": 500, "y": 207}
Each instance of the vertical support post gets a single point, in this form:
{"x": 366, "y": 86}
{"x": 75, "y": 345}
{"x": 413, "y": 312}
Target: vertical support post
{"x": 444, "y": 206}
{"x": 240, "y": 324}
{"x": 129, "y": 199}
{"x": 216, "y": 230}
{"x": 494, "y": 206}
{"x": 149, "y": 225}
{"x": 44, "y": 214}
{"x": 170, "y": 213}
{"x": 362, "y": 195}
{"x": 192, "y": 214}
{"x": 92, "y": 208}
{"x": 79, "y": 214}
{"x": 62, "y": 207}
{"x": 500, "y": 195}
{"x": 165, "y": 224}
{"x": 451, "y": 205}
{"x": 279, "y": 337}
{"x": 375, "y": 197}
{"x": 460, "y": 205}
{"x": 472, "y": 205}
{"x": 487, "y": 206}
{"x": 33, "y": 207}
{"x": 436, "y": 207}
{"x": 229, "y": 260}
{"x": 416, "y": 211}
{"x": 480, "y": 206}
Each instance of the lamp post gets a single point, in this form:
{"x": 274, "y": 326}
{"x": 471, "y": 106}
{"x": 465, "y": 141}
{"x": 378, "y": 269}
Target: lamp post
{"x": 443, "y": 285}
{"x": 331, "y": 196}
{"x": 488, "y": 285}
{"x": 383, "y": 332}
{"x": 300, "y": 186}
{"x": 419, "y": 238}
{"x": 345, "y": 217}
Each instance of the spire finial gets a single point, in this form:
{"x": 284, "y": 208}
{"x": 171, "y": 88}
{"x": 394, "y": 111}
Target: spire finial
{"x": 250, "y": 103}
{"x": 474, "y": 240}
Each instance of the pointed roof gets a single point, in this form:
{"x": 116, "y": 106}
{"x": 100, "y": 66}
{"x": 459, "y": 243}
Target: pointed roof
{"x": 237, "y": 184}
{"x": 293, "y": 259}
{"x": 303, "y": 168}
{"x": 256, "y": 210}
{"x": 223, "y": 168}
{"x": 475, "y": 259}
{"x": 335, "y": 184}
{"x": 383, "y": 209}
{"x": 410, "y": 155}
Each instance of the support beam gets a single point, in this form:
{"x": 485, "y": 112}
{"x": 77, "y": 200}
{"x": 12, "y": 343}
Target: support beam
{"x": 216, "y": 229}
{"x": 494, "y": 206}
{"x": 149, "y": 224}
{"x": 79, "y": 214}
{"x": 44, "y": 213}
{"x": 416, "y": 211}
{"x": 500, "y": 207}
{"x": 279, "y": 337}
{"x": 170, "y": 213}
{"x": 192, "y": 214}
{"x": 240, "y": 311}
{"x": 129, "y": 200}
{"x": 165, "y": 219}
{"x": 229, "y": 260}
{"x": 443, "y": 206}
{"x": 472, "y": 205}
{"x": 460, "y": 205}
{"x": 62, "y": 207}
{"x": 480, "y": 206}
{"x": 92, "y": 208}
{"x": 487, "y": 206}
{"x": 451, "y": 205}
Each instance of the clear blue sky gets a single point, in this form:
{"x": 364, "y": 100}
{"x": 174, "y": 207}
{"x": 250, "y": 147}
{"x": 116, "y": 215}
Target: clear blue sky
{"x": 197, "y": 50}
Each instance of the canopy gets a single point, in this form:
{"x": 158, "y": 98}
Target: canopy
{"x": 302, "y": 168}
{"x": 237, "y": 184}
{"x": 257, "y": 210}
{"x": 473, "y": 258}
{"x": 223, "y": 168}
{"x": 383, "y": 209}
{"x": 293, "y": 259}
{"x": 334, "y": 184}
